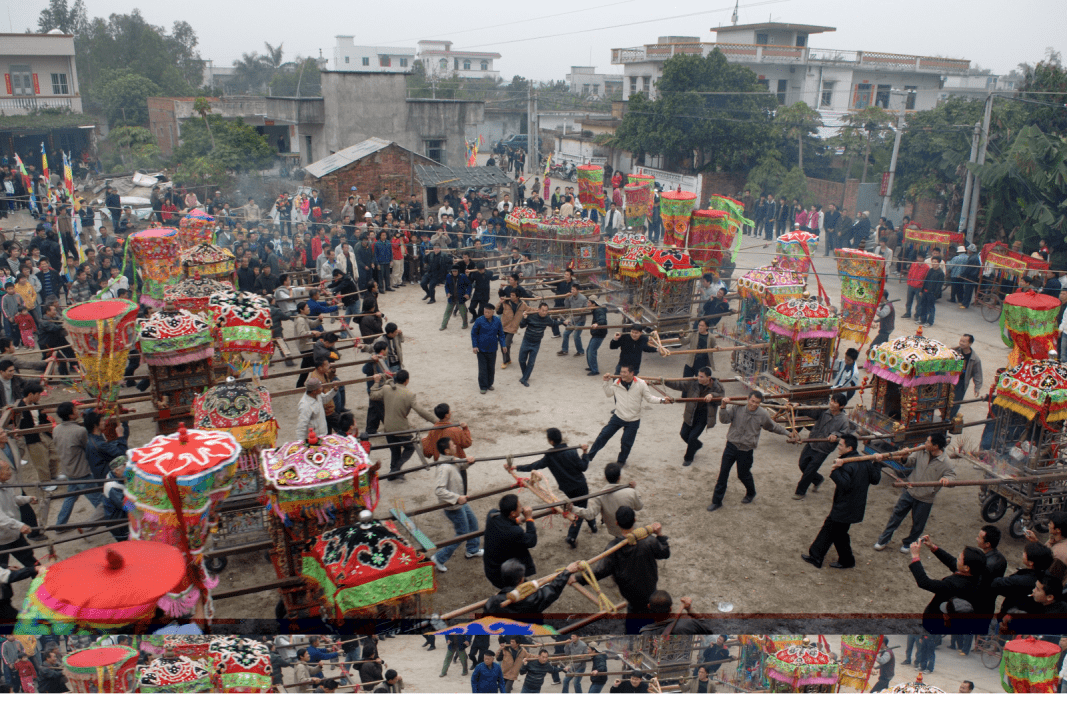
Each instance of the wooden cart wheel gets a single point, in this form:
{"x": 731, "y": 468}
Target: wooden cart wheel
{"x": 1017, "y": 527}
{"x": 994, "y": 508}
{"x": 991, "y": 309}
{"x": 216, "y": 564}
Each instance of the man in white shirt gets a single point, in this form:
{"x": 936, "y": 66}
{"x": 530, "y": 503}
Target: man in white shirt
{"x": 445, "y": 210}
{"x": 613, "y": 221}
{"x": 843, "y": 373}
{"x": 311, "y": 414}
{"x": 629, "y": 392}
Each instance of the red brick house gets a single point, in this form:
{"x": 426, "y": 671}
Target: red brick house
{"x": 370, "y": 166}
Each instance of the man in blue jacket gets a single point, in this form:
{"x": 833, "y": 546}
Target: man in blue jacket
{"x": 486, "y": 334}
{"x": 487, "y": 677}
{"x": 383, "y": 259}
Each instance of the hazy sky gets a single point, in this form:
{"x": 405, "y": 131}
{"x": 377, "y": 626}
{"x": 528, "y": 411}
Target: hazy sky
{"x": 542, "y": 40}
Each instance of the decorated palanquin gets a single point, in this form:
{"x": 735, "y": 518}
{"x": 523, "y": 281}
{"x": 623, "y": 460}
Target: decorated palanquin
{"x": 794, "y": 250}
{"x": 712, "y": 238}
{"x": 1027, "y": 439}
{"x": 156, "y": 254}
{"x": 858, "y": 656}
{"x": 671, "y": 286}
{"x": 760, "y": 290}
{"x": 175, "y": 675}
{"x": 1029, "y": 324}
{"x": 947, "y": 241}
{"x": 862, "y": 284}
{"x": 102, "y": 333}
{"x": 734, "y": 209}
{"x": 208, "y": 261}
{"x": 912, "y": 381}
{"x": 519, "y": 217}
{"x": 195, "y": 647}
{"x": 242, "y": 665}
{"x": 178, "y": 348}
{"x": 174, "y": 485}
{"x": 802, "y": 669}
{"x": 630, "y": 285}
{"x": 591, "y": 186}
{"x": 997, "y": 257}
{"x": 367, "y": 571}
{"x": 639, "y": 200}
{"x": 242, "y": 331}
{"x": 916, "y": 687}
{"x": 1030, "y": 665}
{"x": 802, "y": 334}
{"x": 675, "y": 209}
{"x": 243, "y": 410}
{"x": 101, "y": 670}
{"x": 194, "y": 228}
{"x": 103, "y": 589}
{"x": 313, "y": 486}
{"x": 193, "y": 294}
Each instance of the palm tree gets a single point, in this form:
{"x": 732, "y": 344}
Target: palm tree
{"x": 202, "y": 107}
{"x": 273, "y": 58}
{"x": 872, "y": 120}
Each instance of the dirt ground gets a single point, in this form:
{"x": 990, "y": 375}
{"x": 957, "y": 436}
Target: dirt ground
{"x": 745, "y": 555}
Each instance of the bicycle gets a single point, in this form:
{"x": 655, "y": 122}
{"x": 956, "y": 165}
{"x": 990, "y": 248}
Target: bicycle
{"x": 992, "y": 649}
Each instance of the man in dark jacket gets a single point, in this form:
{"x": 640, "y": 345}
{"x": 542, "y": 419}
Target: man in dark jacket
{"x": 487, "y": 335}
{"x": 480, "y": 279}
{"x": 510, "y": 532}
{"x": 531, "y": 340}
{"x": 850, "y": 503}
{"x": 1017, "y": 587}
{"x": 535, "y": 671}
{"x": 53, "y": 338}
{"x": 569, "y": 471}
{"x": 933, "y": 284}
{"x": 364, "y": 261}
{"x": 99, "y": 451}
{"x": 635, "y": 684}
{"x": 965, "y": 584}
{"x": 344, "y": 286}
{"x": 830, "y": 424}
{"x": 861, "y": 230}
{"x": 487, "y": 677}
{"x": 631, "y": 346}
{"x": 830, "y": 220}
{"x": 598, "y": 321}
{"x": 562, "y": 288}
{"x": 513, "y": 574}
{"x": 698, "y": 416}
{"x": 436, "y": 266}
{"x": 457, "y": 292}
{"x": 597, "y": 669}
{"x": 634, "y": 565}
{"x": 50, "y": 678}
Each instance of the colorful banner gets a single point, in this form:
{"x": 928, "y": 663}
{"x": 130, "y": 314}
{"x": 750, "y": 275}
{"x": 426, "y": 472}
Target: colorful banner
{"x": 591, "y": 186}
{"x": 675, "y": 208}
{"x": 1029, "y": 324}
{"x": 862, "y": 283}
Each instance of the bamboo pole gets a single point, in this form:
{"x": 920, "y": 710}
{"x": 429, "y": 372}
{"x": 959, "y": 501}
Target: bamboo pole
{"x": 721, "y": 349}
{"x": 880, "y": 457}
{"x": 988, "y": 482}
{"x": 545, "y": 579}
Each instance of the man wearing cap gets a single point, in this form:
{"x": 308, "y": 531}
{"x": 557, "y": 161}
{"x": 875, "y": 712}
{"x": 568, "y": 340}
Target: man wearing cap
{"x": 969, "y": 275}
{"x": 311, "y": 414}
{"x": 955, "y": 268}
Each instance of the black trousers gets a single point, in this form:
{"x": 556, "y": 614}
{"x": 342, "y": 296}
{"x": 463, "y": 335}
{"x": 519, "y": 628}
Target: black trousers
{"x": 476, "y": 307}
{"x": 731, "y": 455}
{"x": 401, "y": 448}
{"x": 307, "y": 361}
{"x": 375, "y": 416}
{"x": 23, "y": 556}
{"x": 833, "y": 533}
{"x": 691, "y": 433}
{"x": 486, "y": 369}
{"x": 810, "y": 461}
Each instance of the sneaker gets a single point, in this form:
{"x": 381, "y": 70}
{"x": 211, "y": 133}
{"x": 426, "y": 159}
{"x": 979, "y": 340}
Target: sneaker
{"x": 440, "y": 568}
{"x": 561, "y": 353}
{"x": 880, "y": 546}
{"x": 482, "y": 391}
{"x": 748, "y": 499}
{"x": 478, "y": 554}
{"x": 798, "y": 496}
{"x": 490, "y": 388}
{"x": 905, "y": 549}
{"x": 524, "y": 383}
{"x": 579, "y": 354}
{"x": 49, "y": 489}
{"x": 906, "y": 315}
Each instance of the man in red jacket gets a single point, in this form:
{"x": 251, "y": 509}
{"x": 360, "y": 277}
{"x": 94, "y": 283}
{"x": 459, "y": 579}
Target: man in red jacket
{"x": 916, "y": 275}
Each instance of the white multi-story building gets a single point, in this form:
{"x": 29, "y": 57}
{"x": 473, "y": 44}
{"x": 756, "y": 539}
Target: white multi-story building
{"x": 350, "y": 57}
{"x": 586, "y": 81}
{"x": 977, "y": 86}
{"x": 834, "y": 82}
{"x": 440, "y": 60}
{"x": 39, "y": 73}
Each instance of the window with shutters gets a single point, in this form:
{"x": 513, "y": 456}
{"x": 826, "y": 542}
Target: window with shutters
{"x": 466, "y": 65}
{"x": 827, "y": 94}
{"x": 21, "y": 81}
{"x": 59, "y": 83}
{"x": 783, "y": 86}
{"x": 385, "y": 61}
{"x": 403, "y": 61}
{"x": 761, "y": 38}
{"x": 435, "y": 149}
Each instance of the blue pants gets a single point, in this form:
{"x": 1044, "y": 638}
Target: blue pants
{"x": 927, "y": 654}
{"x": 912, "y": 294}
{"x": 629, "y": 434}
{"x": 596, "y": 688}
{"x": 577, "y": 340}
{"x": 577, "y": 684}
{"x": 68, "y": 503}
{"x": 464, "y": 521}
{"x": 590, "y": 353}
{"x": 920, "y": 512}
{"x": 912, "y": 641}
{"x": 527, "y": 358}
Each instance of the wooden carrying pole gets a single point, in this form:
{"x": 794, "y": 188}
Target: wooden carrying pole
{"x": 547, "y": 578}
{"x": 889, "y": 455}
{"x": 722, "y": 349}
{"x": 989, "y": 481}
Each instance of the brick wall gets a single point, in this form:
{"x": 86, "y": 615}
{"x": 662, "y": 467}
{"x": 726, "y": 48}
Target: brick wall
{"x": 390, "y": 168}
{"x": 825, "y": 192}
{"x": 723, "y": 184}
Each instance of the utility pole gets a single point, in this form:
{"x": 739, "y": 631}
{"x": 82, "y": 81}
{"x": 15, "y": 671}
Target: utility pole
{"x": 972, "y": 216}
{"x": 531, "y": 128}
{"x": 896, "y": 152}
{"x": 965, "y": 208}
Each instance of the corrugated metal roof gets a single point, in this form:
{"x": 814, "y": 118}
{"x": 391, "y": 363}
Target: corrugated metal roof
{"x": 461, "y": 178}
{"x": 349, "y": 155}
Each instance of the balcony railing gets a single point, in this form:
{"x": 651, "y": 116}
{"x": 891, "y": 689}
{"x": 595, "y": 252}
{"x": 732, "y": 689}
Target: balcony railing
{"x": 785, "y": 54}
{"x": 20, "y": 105}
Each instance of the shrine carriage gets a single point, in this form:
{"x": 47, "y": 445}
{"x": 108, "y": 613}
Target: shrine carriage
{"x": 801, "y": 669}
{"x": 802, "y": 335}
{"x": 795, "y": 249}
{"x": 178, "y": 349}
{"x": 911, "y": 387}
{"x": 760, "y": 290}
{"x": 668, "y": 295}
{"x": 1027, "y": 441}
{"x": 1002, "y": 268}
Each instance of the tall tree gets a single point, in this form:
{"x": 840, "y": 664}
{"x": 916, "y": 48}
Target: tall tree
{"x": 273, "y": 58}
{"x": 874, "y": 122}
{"x": 800, "y": 123}
{"x": 123, "y": 95}
{"x": 71, "y": 19}
{"x": 203, "y": 107}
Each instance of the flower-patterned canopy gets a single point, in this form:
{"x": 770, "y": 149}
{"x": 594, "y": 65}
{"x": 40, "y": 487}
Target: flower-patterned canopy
{"x": 914, "y": 360}
{"x": 801, "y": 319}
{"x": 670, "y": 264}
{"x": 172, "y": 337}
{"x": 771, "y": 283}
{"x": 239, "y": 408}
{"x": 208, "y": 260}
{"x": 630, "y": 264}
{"x": 801, "y": 666}
{"x": 317, "y": 477}
{"x": 1035, "y": 387}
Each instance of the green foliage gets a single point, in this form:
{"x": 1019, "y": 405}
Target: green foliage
{"x": 1048, "y": 82}
{"x": 799, "y": 125}
{"x": 767, "y": 175}
{"x": 129, "y": 148}
{"x": 58, "y": 15}
{"x": 123, "y": 95}
{"x": 238, "y": 146}
{"x": 297, "y": 79}
{"x": 129, "y": 43}
{"x": 1025, "y": 191}
{"x": 50, "y": 118}
{"x": 795, "y": 185}
{"x": 203, "y": 171}
{"x": 726, "y": 132}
